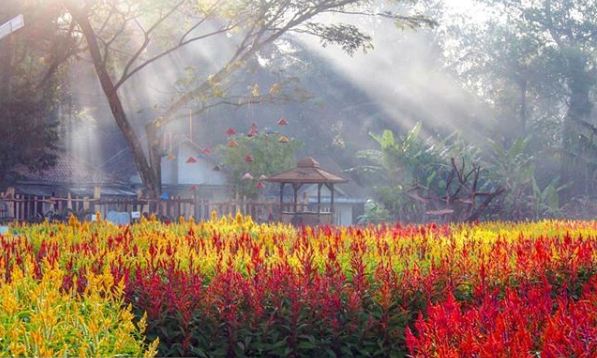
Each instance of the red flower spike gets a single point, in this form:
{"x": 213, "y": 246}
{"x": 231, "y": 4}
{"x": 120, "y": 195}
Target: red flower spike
{"x": 254, "y": 125}
{"x": 191, "y": 160}
{"x": 194, "y": 188}
{"x": 249, "y": 159}
{"x": 282, "y": 122}
{"x": 231, "y": 131}
{"x": 252, "y": 133}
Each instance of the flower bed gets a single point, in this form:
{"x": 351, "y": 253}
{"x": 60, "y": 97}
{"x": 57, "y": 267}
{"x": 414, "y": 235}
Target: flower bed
{"x": 229, "y": 287}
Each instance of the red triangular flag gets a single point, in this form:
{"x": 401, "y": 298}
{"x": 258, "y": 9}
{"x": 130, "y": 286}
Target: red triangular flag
{"x": 252, "y": 133}
{"x": 282, "y": 122}
{"x": 206, "y": 151}
{"x": 191, "y": 160}
{"x": 259, "y": 185}
{"x": 230, "y": 131}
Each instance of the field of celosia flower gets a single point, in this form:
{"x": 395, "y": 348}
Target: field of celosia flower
{"x": 229, "y": 287}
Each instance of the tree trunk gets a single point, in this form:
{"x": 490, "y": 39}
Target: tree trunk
{"x": 580, "y": 83}
{"x": 155, "y": 162}
{"x": 149, "y": 176}
{"x": 523, "y": 107}
{"x": 5, "y": 67}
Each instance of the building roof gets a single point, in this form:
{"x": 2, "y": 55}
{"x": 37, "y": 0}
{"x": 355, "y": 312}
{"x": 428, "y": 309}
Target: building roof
{"x": 307, "y": 171}
{"x": 68, "y": 170}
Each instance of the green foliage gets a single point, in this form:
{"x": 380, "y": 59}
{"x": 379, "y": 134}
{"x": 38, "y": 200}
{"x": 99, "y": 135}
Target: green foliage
{"x": 407, "y": 163}
{"x": 28, "y": 138}
{"x": 514, "y": 167}
{"x": 374, "y": 214}
{"x": 269, "y": 157}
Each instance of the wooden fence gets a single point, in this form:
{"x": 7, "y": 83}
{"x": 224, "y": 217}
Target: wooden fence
{"x": 28, "y": 208}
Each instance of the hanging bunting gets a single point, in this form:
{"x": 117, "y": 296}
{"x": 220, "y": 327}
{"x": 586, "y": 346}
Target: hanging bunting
{"x": 232, "y": 143}
{"x": 252, "y": 133}
{"x": 191, "y": 160}
{"x": 247, "y": 176}
{"x": 171, "y": 156}
{"x": 282, "y": 122}
{"x": 283, "y": 139}
{"x": 249, "y": 159}
{"x": 260, "y": 185}
{"x": 216, "y": 168}
{"x": 262, "y": 177}
{"x": 206, "y": 151}
{"x": 231, "y": 131}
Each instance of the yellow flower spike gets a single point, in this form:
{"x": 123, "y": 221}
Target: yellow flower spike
{"x": 98, "y": 216}
{"x": 152, "y": 350}
{"x": 72, "y": 221}
{"x": 191, "y": 220}
{"x": 214, "y": 216}
{"x": 181, "y": 220}
{"x": 239, "y": 218}
{"x": 153, "y": 218}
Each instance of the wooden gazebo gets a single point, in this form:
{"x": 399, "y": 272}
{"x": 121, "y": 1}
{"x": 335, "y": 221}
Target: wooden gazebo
{"x": 307, "y": 171}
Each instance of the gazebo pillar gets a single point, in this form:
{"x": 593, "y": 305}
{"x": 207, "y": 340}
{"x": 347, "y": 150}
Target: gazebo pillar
{"x": 319, "y": 202}
{"x": 332, "y": 203}
{"x": 281, "y": 199}
{"x": 295, "y": 188}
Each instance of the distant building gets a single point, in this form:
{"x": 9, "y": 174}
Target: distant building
{"x": 188, "y": 171}
{"x": 70, "y": 176}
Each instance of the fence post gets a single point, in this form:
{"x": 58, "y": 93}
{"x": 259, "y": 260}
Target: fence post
{"x": 97, "y": 195}
{"x": 69, "y": 202}
{"x": 10, "y": 193}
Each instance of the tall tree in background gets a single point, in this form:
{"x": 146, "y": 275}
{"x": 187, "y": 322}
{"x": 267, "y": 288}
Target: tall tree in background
{"x": 535, "y": 62}
{"x": 124, "y": 37}
{"x": 31, "y": 65}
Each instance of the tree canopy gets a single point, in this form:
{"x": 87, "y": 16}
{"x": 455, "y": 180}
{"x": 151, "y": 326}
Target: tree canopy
{"x": 30, "y": 88}
{"x": 124, "y": 37}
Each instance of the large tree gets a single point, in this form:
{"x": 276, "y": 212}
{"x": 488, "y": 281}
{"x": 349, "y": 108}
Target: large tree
{"x": 31, "y": 69}
{"x": 124, "y": 37}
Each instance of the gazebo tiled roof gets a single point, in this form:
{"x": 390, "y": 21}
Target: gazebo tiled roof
{"x": 307, "y": 171}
